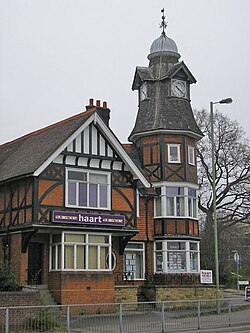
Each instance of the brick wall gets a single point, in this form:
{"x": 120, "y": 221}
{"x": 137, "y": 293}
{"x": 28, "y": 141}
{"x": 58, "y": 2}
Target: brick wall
{"x": 82, "y": 287}
{"x": 19, "y": 298}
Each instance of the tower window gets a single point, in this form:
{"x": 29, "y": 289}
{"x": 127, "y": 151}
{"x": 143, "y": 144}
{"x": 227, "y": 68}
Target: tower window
{"x": 191, "y": 155}
{"x": 175, "y": 201}
{"x": 174, "y": 155}
{"x": 143, "y": 91}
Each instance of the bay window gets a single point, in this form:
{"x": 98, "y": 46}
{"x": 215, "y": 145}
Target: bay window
{"x": 80, "y": 251}
{"x": 177, "y": 256}
{"x": 87, "y": 189}
{"x": 176, "y": 201}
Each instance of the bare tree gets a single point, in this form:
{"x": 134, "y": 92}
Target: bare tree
{"x": 232, "y": 165}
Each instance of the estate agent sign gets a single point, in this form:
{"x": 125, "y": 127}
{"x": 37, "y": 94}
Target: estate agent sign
{"x": 206, "y": 276}
{"x": 83, "y": 218}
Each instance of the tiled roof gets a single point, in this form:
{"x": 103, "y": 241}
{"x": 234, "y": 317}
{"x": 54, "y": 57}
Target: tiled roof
{"x": 165, "y": 114}
{"x": 24, "y": 155}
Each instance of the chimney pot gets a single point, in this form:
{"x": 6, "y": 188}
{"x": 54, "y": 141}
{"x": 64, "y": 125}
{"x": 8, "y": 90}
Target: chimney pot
{"x": 91, "y": 101}
{"x": 105, "y": 105}
{"x": 98, "y": 103}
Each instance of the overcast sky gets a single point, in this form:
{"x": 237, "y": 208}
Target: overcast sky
{"x": 56, "y": 54}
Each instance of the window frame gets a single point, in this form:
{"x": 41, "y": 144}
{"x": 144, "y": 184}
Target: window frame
{"x": 160, "y": 203}
{"x": 165, "y": 252}
{"x": 174, "y": 145}
{"x": 88, "y": 172}
{"x": 191, "y": 155}
{"x": 62, "y": 245}
{"x": 143, "y": 91}
{"x": 135, "y": 250}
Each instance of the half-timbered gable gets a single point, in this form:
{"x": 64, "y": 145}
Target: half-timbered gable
{"x": 78, "y": 185}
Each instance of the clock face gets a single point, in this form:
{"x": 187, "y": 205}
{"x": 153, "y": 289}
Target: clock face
{"x": 179, "y": 88}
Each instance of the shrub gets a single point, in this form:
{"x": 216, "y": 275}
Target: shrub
{"x": 43, "y": 322}
{"x": 8, "y": 281}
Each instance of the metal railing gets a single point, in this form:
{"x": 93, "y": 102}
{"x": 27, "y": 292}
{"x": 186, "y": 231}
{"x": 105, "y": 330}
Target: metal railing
{"x": 181, "y": 279}
{"x": 170, "y": 316}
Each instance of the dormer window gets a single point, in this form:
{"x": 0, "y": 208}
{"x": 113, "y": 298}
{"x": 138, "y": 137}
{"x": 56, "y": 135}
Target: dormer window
{"x": 143, "y": 91}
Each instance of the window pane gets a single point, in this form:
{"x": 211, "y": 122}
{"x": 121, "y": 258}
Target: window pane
{"x": 139, "y": 266}
{"x": 80, "y": 257}
{"x": 158, "y": 246}
{"x": 159, "y": 262}
{"x": 92, "y": 195}
{"x": 176, "y": 261}
{"x": 193, "y": 246}
{"x": 76, "y": 175}
{"x": 190, "y": 212}
{"x": 192, "y": 192}
{"x": 193, "y": 261}
{"x": 103, "y": 196}
{"x": 53, "y": 264}
{"x": 195, "y": 208}
{"x": 71, "y": 193}
{"x": 176, "y": 246}
{"x": 103, "y": 254}
{"x": 175, "y": 191}
{"x": 180, "y": 206}
{"x": 74, "y": 238}
{"x": 134, "y": 246}
{"x": 69, "y": 257}
{"x": 170, "y": 206}
{"x": 83, "y": 194}
{"x": 173, "y": 153}
{"x": 191, "y": 155}
{"x": 59, "y": 257}
{"x": 98, "y": 178}
{"x": 93, "y": 257}
{"x": 99, "y": 239}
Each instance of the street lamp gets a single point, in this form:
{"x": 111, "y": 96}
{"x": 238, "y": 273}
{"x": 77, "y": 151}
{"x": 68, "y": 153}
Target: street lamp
{"x": 216, "y": 252}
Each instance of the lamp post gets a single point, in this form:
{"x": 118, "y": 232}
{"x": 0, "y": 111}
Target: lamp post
{"x": 216, "y": 252}
{"x": 237, "y": 260}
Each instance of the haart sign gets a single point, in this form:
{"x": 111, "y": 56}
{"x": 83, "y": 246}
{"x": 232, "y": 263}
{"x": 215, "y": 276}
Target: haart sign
{"x": 82, "y": 218}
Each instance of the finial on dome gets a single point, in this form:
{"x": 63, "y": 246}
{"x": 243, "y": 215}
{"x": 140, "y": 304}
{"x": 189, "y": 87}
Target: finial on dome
{"x": 163, "y": 24}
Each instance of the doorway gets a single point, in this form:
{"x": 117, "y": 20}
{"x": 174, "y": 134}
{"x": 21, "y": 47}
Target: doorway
{"x": 35, "y": 256}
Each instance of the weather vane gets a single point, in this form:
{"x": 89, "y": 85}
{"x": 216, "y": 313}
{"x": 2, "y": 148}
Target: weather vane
{"x": 163, "y": 24}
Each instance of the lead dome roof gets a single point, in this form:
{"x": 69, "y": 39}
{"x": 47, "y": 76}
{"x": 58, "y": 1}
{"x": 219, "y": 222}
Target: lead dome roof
{"x": 163, "y": 44}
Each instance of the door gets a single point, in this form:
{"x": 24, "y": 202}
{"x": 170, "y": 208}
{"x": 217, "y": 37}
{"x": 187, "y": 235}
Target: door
{"x": 35, "y": 263}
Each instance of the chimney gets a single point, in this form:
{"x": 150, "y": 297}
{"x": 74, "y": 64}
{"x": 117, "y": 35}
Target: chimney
{"x": 104, "y": 112}
{"x": 91, "y": 104}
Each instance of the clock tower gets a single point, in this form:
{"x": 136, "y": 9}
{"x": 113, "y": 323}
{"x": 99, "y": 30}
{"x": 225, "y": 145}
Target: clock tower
{"x": 164, "y": 136}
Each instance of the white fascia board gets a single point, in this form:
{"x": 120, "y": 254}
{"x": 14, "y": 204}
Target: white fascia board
{"x": 63, "y": 146}
{"x": 119, "y": 148}
{"x": 113, "y": 140}
{"x": 176, "y": 184}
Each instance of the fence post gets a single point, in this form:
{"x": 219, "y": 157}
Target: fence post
{"x": 162, "y": 317}
{"x": 68, "y": 319}
{"x": 199, "y": 315}
{"x": 229, "y": 313}
{"x": 7, "y": 320}
{"x": 120, "y": 320}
